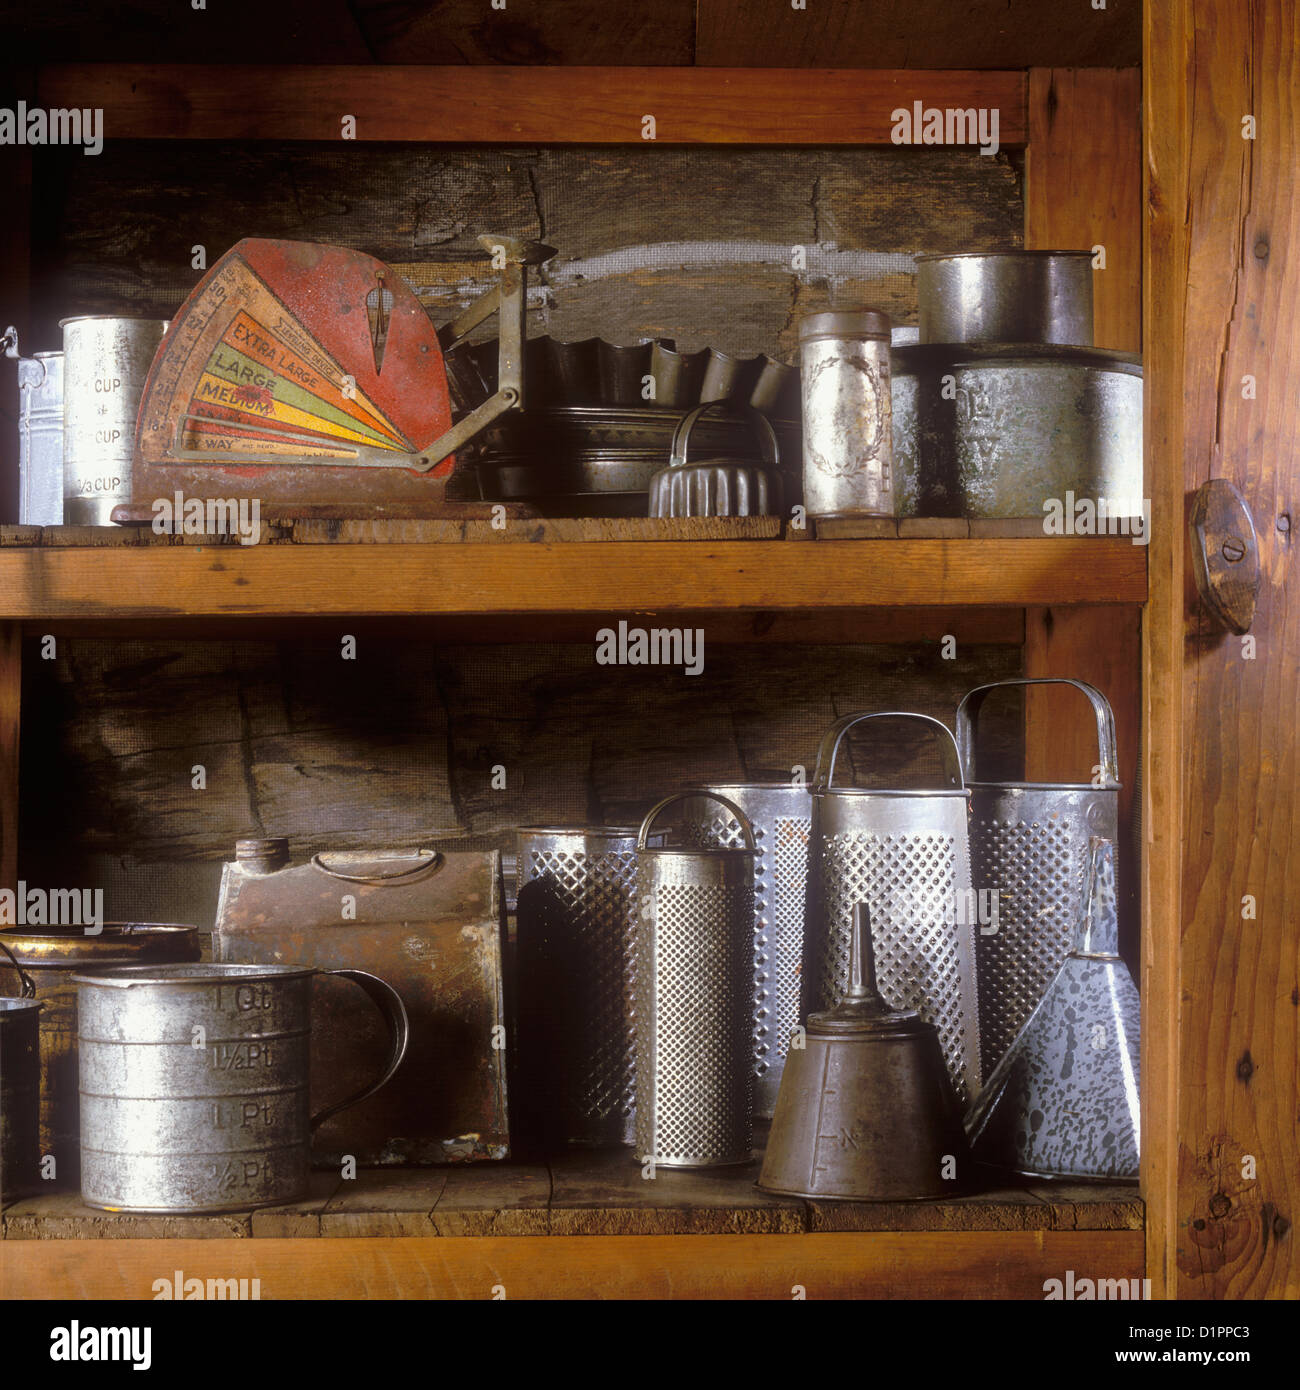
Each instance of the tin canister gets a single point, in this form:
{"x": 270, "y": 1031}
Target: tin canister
{"x": 106, "y": 361}
{"x": 576, "y": 919}
{"x": 694, "y": 968}
{"x": 780, "y": 814}
{"x": 195, "y": 1084}
{"x": 50, "y": 958}
{"x": 20, "y": 1086}
{"x": 1006, "y": 297}
{"x": 847, "y": 432}
{"x": 40, "y": 437}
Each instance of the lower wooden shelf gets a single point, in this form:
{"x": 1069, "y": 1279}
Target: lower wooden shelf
{"x": 583, "y": 1225}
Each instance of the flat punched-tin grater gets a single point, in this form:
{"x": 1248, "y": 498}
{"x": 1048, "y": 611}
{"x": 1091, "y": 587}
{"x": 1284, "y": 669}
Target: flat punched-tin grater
{"x": 906, "y": 855}
{"x": 1029, "y": 845}
{"x": 577, "y": 926}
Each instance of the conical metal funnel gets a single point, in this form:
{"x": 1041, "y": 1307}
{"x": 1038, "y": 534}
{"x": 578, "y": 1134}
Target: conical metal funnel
{"x": 866, "y": 1111}
{"x": 1063, "y": 1101}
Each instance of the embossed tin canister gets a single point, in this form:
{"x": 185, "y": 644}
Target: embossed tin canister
{"x": 195, "y": 1084}
{"x": 1030, "y": 846}
{"x": 995, "y": 431}
{"x": 106, "y": 361}
{"x": 905, "y": 853}
{"x": 694, "y": 967}
{"x": 780, "y": 814}
{"x": 52, "y": 957}
{"x": 576, "y": 917}
{"x": 847, "y": 430}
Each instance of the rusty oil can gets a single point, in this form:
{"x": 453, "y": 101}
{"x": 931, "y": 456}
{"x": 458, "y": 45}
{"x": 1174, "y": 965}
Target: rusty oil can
{"x": 433, "y": 926}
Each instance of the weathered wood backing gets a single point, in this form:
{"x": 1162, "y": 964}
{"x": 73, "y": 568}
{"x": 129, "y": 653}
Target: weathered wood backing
{"x": 541, "y": 105}
{"x": 399, "y": 745}
{"x": 692, "y": 244}
{"x": 1223, "y": 992}
{"x": 11, "y": 681}
{"x": 918, "y": 34}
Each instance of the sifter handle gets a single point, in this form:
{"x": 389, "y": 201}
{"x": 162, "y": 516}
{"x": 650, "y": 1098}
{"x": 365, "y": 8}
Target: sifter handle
{"x": 830, "y": 746}
{"x": 389, "y": 1003}
{"x": 27, "y": 986}
{"x": 731, "y": 806}
{"x": 972, "y": 701}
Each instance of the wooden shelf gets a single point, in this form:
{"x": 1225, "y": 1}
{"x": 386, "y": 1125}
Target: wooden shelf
{"x": 151, "y": 582}
{"x": 547, "y": 1225}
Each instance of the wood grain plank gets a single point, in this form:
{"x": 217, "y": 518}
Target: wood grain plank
{"x": 543, "y": 105}
{"x": 490, "y": 1199}
{"x": 1083, "y": 185}
{"x": 918, "y": 34}
{"x": 993, "y": 1264}
{"x": 1222, "y": 303}
{"x": 606, "y": 1194}
{"x": 749, "y": 575}
{"x": 1083, "y": 188}
{"x": 585, "y": 32}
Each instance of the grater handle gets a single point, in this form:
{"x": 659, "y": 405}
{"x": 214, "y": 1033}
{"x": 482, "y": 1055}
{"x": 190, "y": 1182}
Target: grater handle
{"x": 731, "y": 806}
{"x": 830, "y": 746}
{"x": 968, "y": 713}
{"x": 771, "y": 452}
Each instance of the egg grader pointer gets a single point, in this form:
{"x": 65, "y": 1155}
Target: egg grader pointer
{"x": 311, "y": 378}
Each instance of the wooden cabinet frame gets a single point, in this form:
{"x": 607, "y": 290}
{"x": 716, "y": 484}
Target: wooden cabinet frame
{"x": 1081, "y": 599}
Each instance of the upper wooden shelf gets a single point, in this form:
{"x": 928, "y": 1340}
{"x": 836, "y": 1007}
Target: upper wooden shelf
{"x": 534, "y": 105}
{"x": 164, "y": 581}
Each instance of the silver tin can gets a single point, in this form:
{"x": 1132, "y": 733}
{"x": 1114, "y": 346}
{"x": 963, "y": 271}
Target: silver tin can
{"x": 780, "y": 814}
{"x": 848, "y": 467}
{"x": 40, "y": 439}
{"x": 576, "y": 916}
{"x": 1030, "y": 845}
{"x": 106, "y": 361}
{"x": 20, "y": 1089}
{"x": 906, "y": 854}
{"x": 1006, "y": 297}
{"x": 695, "y": 954}
{"x": 996, "y": 432}
{"x": 195, "y": 1081}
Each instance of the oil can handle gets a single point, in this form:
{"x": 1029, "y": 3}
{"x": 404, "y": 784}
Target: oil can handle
{"x": 968, "y": 714}
{"x": 830, "y": 746}
{"x": 731, "y": 806}
{"x": 426, "y": 860}
{"x": 770, "y": 449}
{"x": 389, "y": 1003}
{"x": 27, "y": 985}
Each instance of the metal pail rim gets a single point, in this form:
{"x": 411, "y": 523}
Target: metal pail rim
{"x": 1047, "y": 786}
{"x": 198, "y": 973}
{"x": 963, "y": 792}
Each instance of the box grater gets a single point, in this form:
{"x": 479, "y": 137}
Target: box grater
{"x": 906, "y": 855}
{"x": 694, "y": 967}
{"x": 780, "y": 814}
{"x": 1029, "y": 844}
